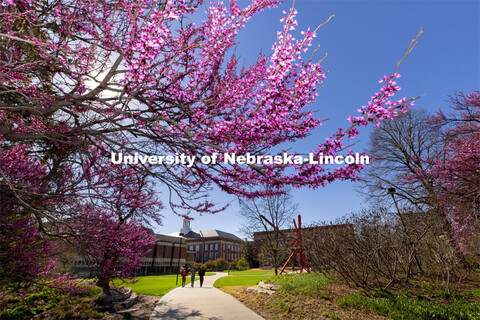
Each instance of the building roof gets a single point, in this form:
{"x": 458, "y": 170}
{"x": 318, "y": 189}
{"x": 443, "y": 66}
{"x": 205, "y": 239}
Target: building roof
{"x": 168, "y": 237}
{"x": 202, "y": 234}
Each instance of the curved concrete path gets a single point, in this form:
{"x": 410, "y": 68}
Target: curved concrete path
{"x": 206, "y": 303}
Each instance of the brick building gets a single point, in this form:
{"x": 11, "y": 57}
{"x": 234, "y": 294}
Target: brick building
{"x": 206, "y": 245}
{"x": 171, "y": 252}
{"x": 166, "y": 255}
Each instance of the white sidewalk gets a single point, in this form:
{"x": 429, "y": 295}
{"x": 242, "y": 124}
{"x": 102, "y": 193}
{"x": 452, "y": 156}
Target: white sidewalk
{"x": 201, "y": 304}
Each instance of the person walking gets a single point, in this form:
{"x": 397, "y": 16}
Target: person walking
{"x": 192, "y": 276}
{"x": 201, "y": 274}
{"x": 184, "y": 274}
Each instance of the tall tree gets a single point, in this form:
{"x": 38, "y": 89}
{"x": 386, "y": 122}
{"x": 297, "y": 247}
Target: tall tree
{"x": 279, "y": 210}
{"x": 399, "y": 149}
{"x": 433, "y": 162}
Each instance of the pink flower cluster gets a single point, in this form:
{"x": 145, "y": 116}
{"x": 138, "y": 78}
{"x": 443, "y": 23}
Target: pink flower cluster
{"x": 381, "y": 106}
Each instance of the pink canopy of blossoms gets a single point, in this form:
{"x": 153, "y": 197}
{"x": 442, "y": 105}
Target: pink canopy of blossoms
{"x": 155, "y": 77}
{"x": 82, "y": 79}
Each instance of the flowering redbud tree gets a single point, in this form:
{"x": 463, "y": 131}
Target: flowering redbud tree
{"x": 113, "y": 246}
{"x": 106, "y": 223}
{"x": 456, "y": 171}
{"x": 82, "y": 79}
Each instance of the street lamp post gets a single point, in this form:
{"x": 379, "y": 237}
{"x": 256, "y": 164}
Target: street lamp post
{"x": 179, "y": 254}
{"x": 228, "y": 259}
{"x": 392, "y": 191}
{"x": 411, "y": 243}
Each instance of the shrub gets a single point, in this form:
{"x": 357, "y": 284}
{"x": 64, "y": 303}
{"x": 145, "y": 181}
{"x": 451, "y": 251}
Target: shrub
{"x": 221, "y": 264}
{"x": 75, "y": 308}
{"x": 242, "y": 264}
{"x": 233, "y": 264}
{"x": 210, "y": 265}
{"x": 33, "y": 304}
{"x": 92, "y": 291}
{"x": 197, "y": 266}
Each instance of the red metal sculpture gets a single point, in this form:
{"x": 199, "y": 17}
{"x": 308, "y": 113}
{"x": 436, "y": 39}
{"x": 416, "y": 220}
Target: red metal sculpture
{"x": 294, "y": 244}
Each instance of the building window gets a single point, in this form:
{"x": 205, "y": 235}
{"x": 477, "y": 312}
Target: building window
{"x": 211, "y": 246}
{"x": 211, "y": 255}
{"x": 216, "y": 246}
{"x": 216, "y": 255}
{"x": 191, "y": 248}
{"x": 228, "y": 247}
{"x": 224, "y": 247}
{"x": 197, "y": 248}
{"x": 206, "y": 256}
{"x": 206, "y": 247}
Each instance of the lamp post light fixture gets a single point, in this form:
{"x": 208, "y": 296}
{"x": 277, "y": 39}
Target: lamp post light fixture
{"x": 391, "y": 191}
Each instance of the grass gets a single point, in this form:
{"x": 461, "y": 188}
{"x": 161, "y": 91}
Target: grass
{"x": 298, "y": 292}
{"x": 251, "y": 272}
{"x": 402, "y": 306}
{"x": 173, "y": 276}
{"x": 152, "y": 286}
{"x": 241, "y": 280}
{"x": 155, "y": 285}
{"x": 472, "y": 293}
{"x": 300, "y": 296}
{"x": 304, "y": 283}
{"x": 310, "y": 284}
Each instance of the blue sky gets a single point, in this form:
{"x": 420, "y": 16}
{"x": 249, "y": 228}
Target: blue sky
{"x": 363, "y": 41}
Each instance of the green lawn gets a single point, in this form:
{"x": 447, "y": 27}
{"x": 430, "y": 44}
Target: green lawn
{"x": 241, "y": 280}
{"x": 251, "y": 272}
{"x": 161, "y": 284}
{"x": 156, "y": 285}
{"x": 174, "y": 276}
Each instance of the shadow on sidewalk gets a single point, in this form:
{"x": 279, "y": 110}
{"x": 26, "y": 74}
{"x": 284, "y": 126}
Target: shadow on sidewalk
{"x": 175, "y": 313}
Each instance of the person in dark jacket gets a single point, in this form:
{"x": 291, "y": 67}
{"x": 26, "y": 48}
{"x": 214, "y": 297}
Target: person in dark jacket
{"x": 192, "y": 275}
{"x": 201, "y": 274}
